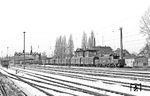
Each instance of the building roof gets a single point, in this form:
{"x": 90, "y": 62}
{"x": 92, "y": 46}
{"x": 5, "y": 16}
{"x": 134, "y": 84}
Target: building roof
{"x": 20, "y": 53}
{"x": 22, "y": 58}
{"x": 79, "y": 50}
{"x": 90, "y": 50}
{"x": 103, "y": 49}
{"x": 84, "y": 50}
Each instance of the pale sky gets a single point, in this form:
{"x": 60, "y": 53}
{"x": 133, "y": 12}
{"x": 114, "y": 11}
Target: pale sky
{"x": 45, "y": 20}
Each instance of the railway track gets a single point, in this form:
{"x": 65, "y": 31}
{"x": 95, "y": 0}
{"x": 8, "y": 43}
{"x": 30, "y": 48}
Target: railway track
{"x": 36, "y": 86}
{"x": 2, "y": 90}
{"x": 100, "y": 72}
{"x": 8, "y": 88}
{"x": 39, "y": 87}
{"x": 31, "y": 84}
{"x": 85, "y": 75}
{"x": 79, "y": 84}
{"x": 110, "y": 74}
{"x": 58, "y": 84}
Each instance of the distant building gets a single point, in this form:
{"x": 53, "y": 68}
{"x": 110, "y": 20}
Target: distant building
{"x": 95, "y": 51}
{"x": 29, "y": 57}
{"x": 79, "y": 52}
{"x": 90, "y": 53}
{"x": 141, "y": 61}
{"x": 130, "y": 62}
{"x": 126, "y": 54}
{"x": 103, "y": 50}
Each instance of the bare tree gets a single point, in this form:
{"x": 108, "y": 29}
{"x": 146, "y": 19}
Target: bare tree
{"x": 64, "y": 47}
{"x": 70, "y": 47}
{"x": 84, "y": 41}
{"x": 61, "y": 47}
{"x": 145, "y": 51}
{"x": 56, "y": 49}
{"x": 145, "y": 25}
{"x": 145, "y": 29}
{"x": 91, "y": 41}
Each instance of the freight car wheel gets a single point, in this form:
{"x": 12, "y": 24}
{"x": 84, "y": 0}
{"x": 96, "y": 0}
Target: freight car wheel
{"x": 111, "y": 65}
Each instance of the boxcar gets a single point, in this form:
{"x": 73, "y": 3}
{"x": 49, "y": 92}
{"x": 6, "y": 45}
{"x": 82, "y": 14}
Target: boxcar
{"x": 104, "y": 61}
{"x": 130, "y": 62}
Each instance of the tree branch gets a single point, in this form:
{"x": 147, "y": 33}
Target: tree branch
{"x": 145, "y": 24}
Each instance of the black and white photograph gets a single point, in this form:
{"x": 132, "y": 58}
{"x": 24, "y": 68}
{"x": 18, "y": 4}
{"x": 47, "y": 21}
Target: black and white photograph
{"x": 74, "y": 47}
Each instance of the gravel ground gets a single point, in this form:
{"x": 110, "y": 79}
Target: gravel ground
{"x": 10, "y": 88}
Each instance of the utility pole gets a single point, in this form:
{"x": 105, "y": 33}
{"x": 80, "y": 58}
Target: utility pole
{"x": 121, "y": 44}
{"x": 24, "y": 50}
{"x": 7, "y": 52}
{"x": 2, "y": 54}
{"x": 102, "y": 40}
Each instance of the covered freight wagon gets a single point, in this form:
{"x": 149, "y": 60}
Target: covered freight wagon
{"x": 130, "y": 62}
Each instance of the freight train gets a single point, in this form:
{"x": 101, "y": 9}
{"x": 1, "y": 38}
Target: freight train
{"x": 88, "y": 57}
{"x": 105, "y": 61}
{"x": 82, "y": 57}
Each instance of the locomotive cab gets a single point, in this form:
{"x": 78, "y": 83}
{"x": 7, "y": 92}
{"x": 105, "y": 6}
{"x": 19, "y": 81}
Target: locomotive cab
{"x": 121, "y": 63}
{"x": 117, "y": 61}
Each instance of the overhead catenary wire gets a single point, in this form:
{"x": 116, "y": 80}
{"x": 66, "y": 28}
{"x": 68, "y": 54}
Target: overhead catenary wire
{"x": 126, "y": 38}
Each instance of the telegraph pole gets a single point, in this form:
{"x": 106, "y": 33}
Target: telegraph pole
{"x": 2, "y": 54}
{"x": 121, "y": 44}
{"x": 102, "y": 39}
{"x": 7, "y": 53}
{"x": 24, "y": 50}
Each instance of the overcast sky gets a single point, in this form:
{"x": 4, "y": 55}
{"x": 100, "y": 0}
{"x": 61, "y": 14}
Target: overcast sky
{"x": 45, "y": 20}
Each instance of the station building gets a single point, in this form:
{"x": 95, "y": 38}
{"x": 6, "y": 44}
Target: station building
{"x": 29, "y": 58}
{"x": 94, "y": 51}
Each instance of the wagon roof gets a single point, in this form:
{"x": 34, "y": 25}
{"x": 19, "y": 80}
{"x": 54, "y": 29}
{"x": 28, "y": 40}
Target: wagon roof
{"x": 79, "y": 49}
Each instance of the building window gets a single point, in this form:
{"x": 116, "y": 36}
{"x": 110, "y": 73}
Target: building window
{"x": 145, "y": 64}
